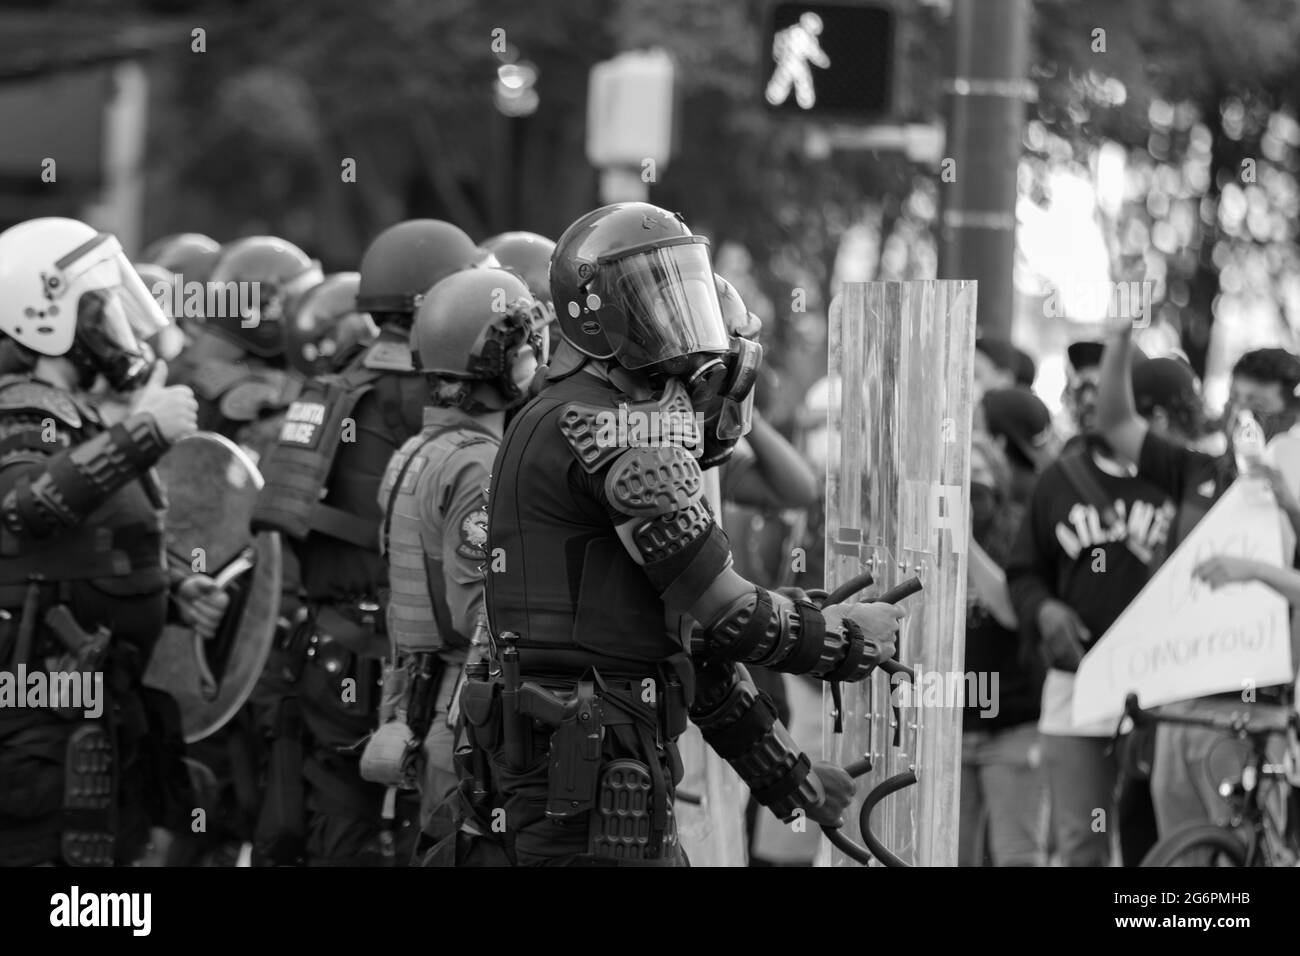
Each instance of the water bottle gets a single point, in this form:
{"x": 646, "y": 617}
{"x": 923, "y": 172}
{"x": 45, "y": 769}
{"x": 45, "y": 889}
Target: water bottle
{"x": 1247, "y": 442}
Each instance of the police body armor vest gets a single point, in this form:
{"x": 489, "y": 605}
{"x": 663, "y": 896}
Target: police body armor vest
{"x": 298, "y": 467}
{"x": 418, "y": 613}
{"x": 111, "y": 559}
{"x": 568, "y": 584}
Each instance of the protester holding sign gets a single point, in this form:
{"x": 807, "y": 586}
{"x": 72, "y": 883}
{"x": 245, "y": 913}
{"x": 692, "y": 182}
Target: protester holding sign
{"x": 1264, "y": 383}
{"x": 1090, "y": 540}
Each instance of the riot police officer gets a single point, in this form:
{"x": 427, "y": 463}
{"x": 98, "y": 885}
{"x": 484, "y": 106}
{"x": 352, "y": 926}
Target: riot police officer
{"x": 324, "y": 329}
{"x": 614, "y": 607}
{"x": 476, "y": 339}
{"x": 84, "y": 590}
{"x": 337, "y": 439}
{"x": 188, "y": 259}
{"x": 235, "y": 362}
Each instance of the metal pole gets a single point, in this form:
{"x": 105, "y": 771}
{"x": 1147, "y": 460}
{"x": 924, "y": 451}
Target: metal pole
{"x": 986, "y": 93}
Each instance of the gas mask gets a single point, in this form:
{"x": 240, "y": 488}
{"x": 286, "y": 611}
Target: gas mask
{"x": 104, "y": 344}
{"x": 722, "y": 390}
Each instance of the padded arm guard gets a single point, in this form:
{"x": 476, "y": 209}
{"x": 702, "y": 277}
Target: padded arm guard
{"x": 75, "y": 482}
{"x": 769, "y": 629}
{"x": 739, "y": 722}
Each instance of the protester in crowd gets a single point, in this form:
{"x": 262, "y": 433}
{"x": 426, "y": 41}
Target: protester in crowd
{"x": 1088, "y": 544}
{"x": 1264, "y": 383}
{"x": 1003, "y": 791}
{"x": 1021, "y": 426}
{"x": 999, "y": 364}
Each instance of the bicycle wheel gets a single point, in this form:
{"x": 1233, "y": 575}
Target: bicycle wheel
{"x": 1201, "y": 844}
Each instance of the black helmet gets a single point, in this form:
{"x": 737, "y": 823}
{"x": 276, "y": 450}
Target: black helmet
{"x": 404, "y": 261}
{"x": 528, "y": 256}
{"x": 630, "y": 282}
{"x": 281, "y": 271}
{"x": 322, "y": 325}
{"x": 476, "y": 337}
{"x": 188, "y": 254}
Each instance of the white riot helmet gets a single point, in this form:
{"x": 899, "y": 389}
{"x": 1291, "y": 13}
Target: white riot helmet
{"x": 68, "y": 290}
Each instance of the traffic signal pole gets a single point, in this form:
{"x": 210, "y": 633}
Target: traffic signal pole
{"x": 985, "y": 93}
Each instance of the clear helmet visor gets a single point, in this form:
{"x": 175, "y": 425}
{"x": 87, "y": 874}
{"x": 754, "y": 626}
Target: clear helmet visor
{"x": 101, "y": 267}
{"x": 116, "y": 313}
{"x": 670, "y": 301}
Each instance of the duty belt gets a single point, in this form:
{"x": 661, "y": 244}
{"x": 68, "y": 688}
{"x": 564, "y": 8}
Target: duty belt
{"x": 358, "y": 626}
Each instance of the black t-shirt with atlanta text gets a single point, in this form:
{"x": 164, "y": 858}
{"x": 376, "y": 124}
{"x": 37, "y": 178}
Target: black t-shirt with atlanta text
{"x": 1062, "y": 550}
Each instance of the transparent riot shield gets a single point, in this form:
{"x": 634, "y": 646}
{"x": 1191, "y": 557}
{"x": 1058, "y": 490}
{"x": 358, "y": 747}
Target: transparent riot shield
{"x": 897, "y": 496}
{"x": 711, "y": 799}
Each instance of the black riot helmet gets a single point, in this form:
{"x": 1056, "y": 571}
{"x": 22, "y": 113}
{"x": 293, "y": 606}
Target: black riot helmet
{"x": 189, "y": 254}
{"x": 251, "y": 284}
{"x": 528, "y": 256}
{"x": 323, "y": 327}
{"x": 632, "y": 284}
{"x": 404, "y": 261}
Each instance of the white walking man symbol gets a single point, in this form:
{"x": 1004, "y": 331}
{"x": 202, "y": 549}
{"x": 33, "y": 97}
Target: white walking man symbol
{"x": 793, "y": 49}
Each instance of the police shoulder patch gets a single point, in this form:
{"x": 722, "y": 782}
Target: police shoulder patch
{"x": 474, "y": 536}
{"x": 388, "y": 357}
{"x": 652, "y": 481}
{"x": 25, "y": 395}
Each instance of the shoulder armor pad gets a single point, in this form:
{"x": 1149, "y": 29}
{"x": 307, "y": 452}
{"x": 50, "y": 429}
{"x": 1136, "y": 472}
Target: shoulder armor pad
{"x": 25, "y": 395}
{"x": 584, "y": 427}
{"x": 388, "y": 357}
{"x": 600, "y": 433}
{"x": 211, "y": 380}
{"x": 645, "y": 482}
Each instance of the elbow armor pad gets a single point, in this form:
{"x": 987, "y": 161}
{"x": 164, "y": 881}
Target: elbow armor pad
{"x": 682, "y": 547}
{"x": 75, "y": 482}
{"x": 769, "y": 629}
{"x": 739, "y": 722}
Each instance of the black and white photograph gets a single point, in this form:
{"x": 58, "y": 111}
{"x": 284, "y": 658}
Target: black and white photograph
{"x": 748, "y": 434}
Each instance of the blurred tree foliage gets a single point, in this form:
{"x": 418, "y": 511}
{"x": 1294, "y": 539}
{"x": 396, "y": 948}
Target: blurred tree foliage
{"x": 251, "y": 136}
{"x": 1201, "y": 95}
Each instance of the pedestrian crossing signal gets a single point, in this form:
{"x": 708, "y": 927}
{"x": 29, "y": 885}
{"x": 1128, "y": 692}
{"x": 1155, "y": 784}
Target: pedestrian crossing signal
{"x": 829, "y": 58}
